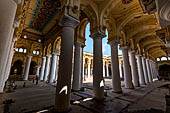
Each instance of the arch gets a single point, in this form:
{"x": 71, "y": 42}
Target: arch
{"x": 151, "y": 46}
{"x": 17, "y": 67}
{"x": 80, "y": 30}
{"x": 149, "y": 41}
{"x": 128, "y": 19}
{"x": 57, "y": 45}
{"x": 141, "y": 29}
{"x": 143, "y": 35}
{"x": 49, "y": 49}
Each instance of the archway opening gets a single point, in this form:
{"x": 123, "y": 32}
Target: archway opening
{"x": 16, "y": 68}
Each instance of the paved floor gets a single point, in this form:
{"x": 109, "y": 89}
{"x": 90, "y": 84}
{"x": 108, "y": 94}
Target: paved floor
{"x": 40, "y": 98}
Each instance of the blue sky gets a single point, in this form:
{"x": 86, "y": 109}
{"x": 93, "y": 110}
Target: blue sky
{"x": 89, "y": 43}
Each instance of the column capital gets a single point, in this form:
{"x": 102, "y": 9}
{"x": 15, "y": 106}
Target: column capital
{"x": 138, "y": 55}
{"x": 132, "y": 51}
{"x": 68, "y": 21}
{"x": 77, "y": 43}
{"x": 29, "y": 56}
{"x": 124, "y": 47}
{"x": 18, "y": 1}
{"x": 54, "y": 53}
{"x": 113, "y": 42}
{"x": 99, "y": 35}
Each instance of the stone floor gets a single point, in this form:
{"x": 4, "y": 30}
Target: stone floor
{"x": 40, "y": 98}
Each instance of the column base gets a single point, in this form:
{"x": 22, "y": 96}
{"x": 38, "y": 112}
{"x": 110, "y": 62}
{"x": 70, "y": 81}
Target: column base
{"x": 118, "y": 92}
{"x": 98, "y": 99}
{"x": 56, "y": 111}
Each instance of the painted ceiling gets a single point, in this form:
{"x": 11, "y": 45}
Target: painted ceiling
{"x": 41, "y": 15}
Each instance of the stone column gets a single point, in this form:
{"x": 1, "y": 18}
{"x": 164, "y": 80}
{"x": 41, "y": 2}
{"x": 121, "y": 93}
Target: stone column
{"x": 121, "y": 71}
{"x": 10, "y": 56}
{"x": 88, "y": 70}
{"x": 127, "y": 70}
{"x": 135, "y": 77}
{"x": 107, "y": 70}
{"x": 98, "y": 81}
{"x": 149, "y": 70}
{"x": 42, "y": 68}
{"x": 8, "y": 10}
{"x": 27, "y": 67}
{"x": 53, "y": 68}
{"x": 56, "y": 70}
{"x": 82, "y": 65}
{"x": 104, "y": 74}
{"x": 47, "y": 68}
{"x": 145, "y": 70}
{"x": 38, "y": 70}
{"x": 151, "y": 67}
{"x": 63, "y": 88}
{"x": 77, "y": 67}
{"x": 116, "y": 84}
{"x": 140, "y": 70}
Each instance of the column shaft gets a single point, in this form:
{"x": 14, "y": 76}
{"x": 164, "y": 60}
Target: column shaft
{"x": 88, "y": 71}
{"x": 145, "y": 70}
{"x": 104, "y": 74}
{"x": 98, "y": 81}
{"x": 107, "y": 70}
{"x": 82, "y": 66}
{"x": 56, "y": 71}
{"x": 127, "y": 70}
{"x": 149, "y": 70}
{"x": 42, "y": 68}
{"x": 116, "y": 83}
{"x": 140, "y": 70}
{"x": 53, "y": 68}
{"x": 37, "y": 70}
{"x": 8, "y": 10}
{"x": 63, "y": 88}
{"x": 47, "y": 68}
{"x": 27, "y": 68}
{"x": 77, "y": 70}
{"x": 135, "y": 77}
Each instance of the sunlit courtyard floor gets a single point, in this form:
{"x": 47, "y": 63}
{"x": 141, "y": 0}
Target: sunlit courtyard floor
{"x": 40, "y": 98}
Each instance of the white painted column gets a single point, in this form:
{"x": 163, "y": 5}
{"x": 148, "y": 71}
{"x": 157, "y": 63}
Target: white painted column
{"x": 127, "y": 70}
{"x": 149, "y": 70}
{"x": 116, "y": 83}
{"x": 42, "y": 68}
{"x": 77, "y": 67}
{"x": 104, "y": 74}
{"x": 107, "y": 70}
{"x": 53, "y": 68}
{"x": 145, "y": 70}
{"x": 10, "y": 56}
{"x": 56, "y": 70}
{"x": 38, "y": 70}
{"x": 151, "y": 67}
{"x": 121, "y": 71}
{"x": 47, "y": 68}
{"x": 88, "y": 70}
{"x": 140, "y": 70}
{"x": 27, "y": 67}
{"x": 135, "y": 76}
{"x": 8, "y": 10}
{"x": 63, "y": 88}
{"x": 98, "y": 81}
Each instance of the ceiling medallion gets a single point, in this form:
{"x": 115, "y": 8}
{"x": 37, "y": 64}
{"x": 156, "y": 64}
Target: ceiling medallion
{"x": 126, "y": 1}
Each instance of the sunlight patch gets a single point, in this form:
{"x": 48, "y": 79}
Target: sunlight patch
{"x": 102, "y": 83}
{"x": 64, "y": 89}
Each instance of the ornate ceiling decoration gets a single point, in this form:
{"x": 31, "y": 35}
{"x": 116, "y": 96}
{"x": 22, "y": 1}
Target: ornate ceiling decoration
{"x": 148, "y": 6}
{"x": 126, "y": 1}
{"x": 43, "y": 13}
